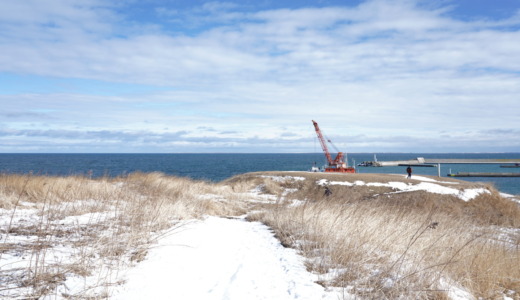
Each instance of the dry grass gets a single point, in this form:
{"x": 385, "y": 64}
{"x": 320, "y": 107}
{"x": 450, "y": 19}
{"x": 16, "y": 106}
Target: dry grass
{"x": 414, "y": 245}
{"x": 367, "y": 239}
{"x": 110, "y": 222}
{"x": 487, "y": 209}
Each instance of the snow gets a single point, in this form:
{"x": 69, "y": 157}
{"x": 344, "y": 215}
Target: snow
{"x": 428, "y": 185}
{"x": 422, "y": 178}
{"x": 16, "y": 257}
{"x": 221, "y": 259}
{"x": 256, "y": 195}
{"x": 283, "y": 178}
{"x": 324, "y": 182}
{"x": 454, "y": 291}
{"x": 86, "y": 219}
{"x": 216, "y": 258}
{"x": 511, "y": 197}
{"x": 469, "y": 194}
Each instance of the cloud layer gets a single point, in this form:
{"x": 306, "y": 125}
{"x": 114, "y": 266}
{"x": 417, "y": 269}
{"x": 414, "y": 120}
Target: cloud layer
{"x": 223, "y": 77}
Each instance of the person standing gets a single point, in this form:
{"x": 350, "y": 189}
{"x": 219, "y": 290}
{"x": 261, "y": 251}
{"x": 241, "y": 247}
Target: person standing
{"x": 409, "y": 171}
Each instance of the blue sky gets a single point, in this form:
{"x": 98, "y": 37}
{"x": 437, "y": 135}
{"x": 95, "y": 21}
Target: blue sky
{"x": 249, "y": 76}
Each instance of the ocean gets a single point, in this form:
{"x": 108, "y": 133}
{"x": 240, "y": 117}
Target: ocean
{"x": 217, "y": 167}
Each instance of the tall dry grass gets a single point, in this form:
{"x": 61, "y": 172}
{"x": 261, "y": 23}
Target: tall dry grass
{"x": 415, "y": 245}
{"x": 108, "y": 222}
{"x": 368, "y": 240}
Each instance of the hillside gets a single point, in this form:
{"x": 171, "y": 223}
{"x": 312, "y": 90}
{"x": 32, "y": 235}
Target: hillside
{"x": 373, "y": 236}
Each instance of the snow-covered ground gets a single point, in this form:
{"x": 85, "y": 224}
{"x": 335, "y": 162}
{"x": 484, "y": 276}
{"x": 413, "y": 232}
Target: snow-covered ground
{"x": 221, "y": 259}
{"x": 214, "y": 258}
{"x": 426, "y": 184}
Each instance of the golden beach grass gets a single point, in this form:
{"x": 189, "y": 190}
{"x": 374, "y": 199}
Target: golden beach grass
{"x": 370, "y": 240}
{"x": 416, "y": 245}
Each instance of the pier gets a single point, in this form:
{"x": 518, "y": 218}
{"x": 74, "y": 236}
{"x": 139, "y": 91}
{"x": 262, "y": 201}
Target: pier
{"x": 484, "y": 174}
{"x": 430, "y": 162}
{"x": 437, "y": 161}
{"x": 511, "y": 166}
{"x": 470, "y": 161}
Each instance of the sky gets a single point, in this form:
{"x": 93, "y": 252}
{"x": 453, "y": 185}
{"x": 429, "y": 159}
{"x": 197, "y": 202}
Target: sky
{"x": 185, "y": 76}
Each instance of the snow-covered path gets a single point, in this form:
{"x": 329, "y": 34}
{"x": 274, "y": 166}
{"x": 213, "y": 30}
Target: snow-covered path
{"x": 221, "y": 259}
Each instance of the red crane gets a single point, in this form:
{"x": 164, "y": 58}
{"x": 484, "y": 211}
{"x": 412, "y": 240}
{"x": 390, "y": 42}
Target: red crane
{"x": 336, "y": 165}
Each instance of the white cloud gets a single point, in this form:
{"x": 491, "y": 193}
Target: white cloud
{"x": 381, "y": 69}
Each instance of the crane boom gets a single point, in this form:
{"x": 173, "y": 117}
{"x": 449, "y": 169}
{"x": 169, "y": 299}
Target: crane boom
{"x": 322, "y": 142}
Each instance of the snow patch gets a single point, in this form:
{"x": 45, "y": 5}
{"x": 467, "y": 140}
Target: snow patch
{"x": 21, "y": 232}
{"x": 422, "y": 178}
{"x": 289, "y": 191}
{"x": 469, "y": 194}
{"x": 284, "y": 178}
{"x": 454, "y": 291}
{"x": 296, "y": 203}
{"x": 511, "y": 197}
{"x": 86, "y": 219}
{"x": 324, "y": 182}
{"x": 466, "y": 194}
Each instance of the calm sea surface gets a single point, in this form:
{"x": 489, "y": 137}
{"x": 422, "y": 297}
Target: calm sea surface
{"x": 217, "y": 167}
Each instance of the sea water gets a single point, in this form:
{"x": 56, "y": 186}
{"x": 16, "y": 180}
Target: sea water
{"x": 217, "y": 167}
